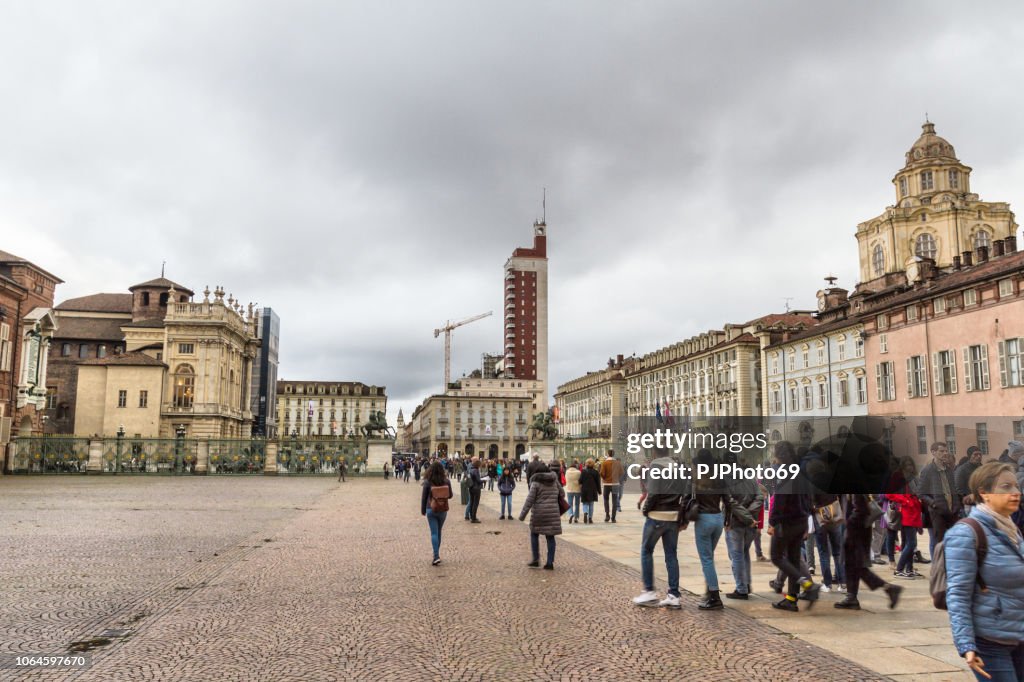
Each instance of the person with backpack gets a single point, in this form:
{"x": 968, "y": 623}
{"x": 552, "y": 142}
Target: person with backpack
{"x": 572, "y": 491}
{"x": 828, "y": 537}
{"x": 546, "y": 518}
{"x": 713, "y": 508}
{"x": 787, "y": 526}
{"x": 590, "y": 489}
{"x": 437, "y": 490}
{"x": 476, "y": 484}
{"x": 746, "y": 505}
{"x": 506, "y": 484}
{"x": 984, "y": 572}
{"x": 661, "y": 508}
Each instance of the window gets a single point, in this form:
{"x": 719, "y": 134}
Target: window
{"x": 808, "y": 399}
{"x": 862, "y": 390}
{"x": 184, "y": 387}
{"x": 6, "y": 347}
{"x": 83, "y": 350}
{"x": 922, "y": 440}
{"x": 1011, "y": 362}
{"x": 1006, "y": 287}
{"x": 841, "y": 348}
{"x": 775, "y": 363}
{"x": 954, "y": 178}
{"x": 65, "y": 349}
{"x": 776, "y": 401}
{"x": 122, "y": 398}
{"x": 878, "y": 260}
{"x": 970, "y": 297}
{"x": 903, "y": 186}
{"x": 101, "y": 351}
{"x": 143, "y": 398}
{"x": 885, "y": 381}
{"x": 51, "y": 398}
{"x": 858, "y": 347}
{"x": 1018, "y": 430}
{"x": 939, "y": 305}
{"x": 883, "y": 343}
{"x": 791, "y": 360}
{"x": 945, "y": 372}
{"x": 924, "y": 246}
{"x": 821, "y": 354}
{"x": 976, "y": 367}
{"x": 794, "y": 399}
{"x": 822, "y": 395}
{"x": 950, "y": 438}
{"x": 805, "y": 356}
{"x": 982, "y": 238}
{"x": 917, "y": 377}
{"x": 927, "y": 180}
{"x": 145, "y": 298}
{"x": 981, "y": 436}
{"x": 882, "y": 321}
{"x": 186, "y": 349}
{"x": 911, "y": 313}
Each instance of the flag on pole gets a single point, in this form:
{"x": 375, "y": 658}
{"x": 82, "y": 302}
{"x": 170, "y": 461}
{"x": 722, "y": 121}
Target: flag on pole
{"x": 668, "y": 415}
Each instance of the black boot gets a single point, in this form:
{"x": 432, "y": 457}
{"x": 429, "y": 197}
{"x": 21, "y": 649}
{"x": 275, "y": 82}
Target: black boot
{"x": 711, "y": 602}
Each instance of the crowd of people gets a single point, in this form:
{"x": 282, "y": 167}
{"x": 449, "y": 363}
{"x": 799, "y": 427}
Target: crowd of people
{"x": 818, "y": 542}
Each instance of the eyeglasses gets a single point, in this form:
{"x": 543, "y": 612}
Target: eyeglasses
{"x": 1007, "y": 489}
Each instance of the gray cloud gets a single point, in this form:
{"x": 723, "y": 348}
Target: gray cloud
{"x": 366, "y": 168}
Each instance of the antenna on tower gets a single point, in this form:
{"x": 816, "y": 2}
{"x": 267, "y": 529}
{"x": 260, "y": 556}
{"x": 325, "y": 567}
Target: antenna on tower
{"x": 787, "y": 299}
{"x": 162, "y": 265}
{"x": 544, "y": 206}
{"x": 831, "y": 279}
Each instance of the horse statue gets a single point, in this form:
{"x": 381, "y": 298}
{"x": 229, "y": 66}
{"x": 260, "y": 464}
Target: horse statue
{"x": 544, "y": 425}
{"x": 378, "y": 424}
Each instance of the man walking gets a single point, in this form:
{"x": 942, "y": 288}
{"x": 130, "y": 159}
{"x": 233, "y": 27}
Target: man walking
{"x": 342, "y": 468}
{"x": 611, "y": 474}
{"x": 661, "y": 507}
{"x": 938, "y": 493}
{"x": 476, "y": 484}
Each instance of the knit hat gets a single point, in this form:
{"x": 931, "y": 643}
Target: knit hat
{"x": 1015, "y": 449}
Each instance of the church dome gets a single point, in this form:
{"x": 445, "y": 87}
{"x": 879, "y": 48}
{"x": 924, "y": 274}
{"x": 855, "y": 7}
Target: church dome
{"x": 930, "y": 146}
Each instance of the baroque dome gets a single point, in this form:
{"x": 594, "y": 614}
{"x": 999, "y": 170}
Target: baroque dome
{"x": 930, "y": 146}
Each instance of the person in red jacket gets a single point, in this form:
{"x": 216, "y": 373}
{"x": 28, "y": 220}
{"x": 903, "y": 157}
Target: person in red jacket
{"x": 910, "y": 511}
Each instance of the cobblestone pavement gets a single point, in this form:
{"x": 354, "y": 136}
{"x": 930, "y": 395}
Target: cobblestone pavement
{"x": 306, "y": 579}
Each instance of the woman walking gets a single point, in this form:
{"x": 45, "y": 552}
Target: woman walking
{"x": 708, "y": 531}
{"x": 546, "y": 519}
{"x": 437, "y": 490}
{"x": 590, "y": 490}
{"x": 506, "y": 484}
{"x": 985, "y": 597}
{"x": 907, "y": 507}
{"x": 572, "y": 491}
{"x": 857, "y": 548}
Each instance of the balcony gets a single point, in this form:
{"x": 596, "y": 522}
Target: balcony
{"x": 510, "y": 306}
{"x": 510, "y": 325}
{"x": 510, "y": 335}
{"x": 510, "y": 287}
{"x": 510, "y": 296}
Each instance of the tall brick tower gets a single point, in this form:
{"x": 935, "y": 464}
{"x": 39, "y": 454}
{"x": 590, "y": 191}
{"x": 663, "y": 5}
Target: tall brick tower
{"x": 526, "y": 311}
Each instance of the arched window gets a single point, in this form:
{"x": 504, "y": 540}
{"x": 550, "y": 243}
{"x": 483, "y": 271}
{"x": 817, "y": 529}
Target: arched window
{"x": 184, "y": 386}
{"x": 878, "y": 260}
{"x": 924, "y": 246}
{"x": 982, "y": 238}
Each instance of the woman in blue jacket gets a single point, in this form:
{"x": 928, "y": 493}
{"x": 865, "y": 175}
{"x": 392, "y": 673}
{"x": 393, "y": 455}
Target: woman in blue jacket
{"x": 988, "y": 625}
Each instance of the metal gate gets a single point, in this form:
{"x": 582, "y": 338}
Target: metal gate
{"x": 237, "y": 456}
{"x": 319, "y": 456}
{"x": 150, "y": 455}
{"x": 50, "y": 455}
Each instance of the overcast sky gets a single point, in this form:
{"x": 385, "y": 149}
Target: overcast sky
{"x": 365, "y": 169}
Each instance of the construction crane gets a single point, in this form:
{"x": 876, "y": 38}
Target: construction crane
{"x": 447, "y": 329}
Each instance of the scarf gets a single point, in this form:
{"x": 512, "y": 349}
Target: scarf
{"x": 1003, "y": 523}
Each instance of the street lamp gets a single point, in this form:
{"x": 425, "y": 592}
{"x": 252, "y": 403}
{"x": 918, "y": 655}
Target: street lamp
{"x": 179, "y": 442}
{"x": 120, "y": 446}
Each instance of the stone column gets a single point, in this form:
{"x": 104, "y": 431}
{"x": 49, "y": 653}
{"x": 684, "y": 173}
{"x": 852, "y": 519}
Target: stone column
{"x": 203, "y": 457}
{"x": 270, "y": 462}
{"x": 95, "y": 464}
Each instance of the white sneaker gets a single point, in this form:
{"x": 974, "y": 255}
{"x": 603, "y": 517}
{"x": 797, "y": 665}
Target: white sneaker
{"x": 825, "y": 588}
{"x": 646, "y": 599}
{"x": 840, "y": 588}
{"x": 670, "y": 601}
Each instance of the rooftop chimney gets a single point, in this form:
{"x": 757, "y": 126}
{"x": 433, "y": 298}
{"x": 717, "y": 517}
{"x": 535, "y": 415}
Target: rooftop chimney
{"x": 1011, "y": 244}
{"x": 618, "y": 360}
{"x": 968, "y": 262}
{"x": 956, "y": 262}
{"x": 982, "y": 252}
{"x": 997, "y": 248}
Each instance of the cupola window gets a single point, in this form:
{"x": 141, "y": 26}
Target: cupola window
{"x": 924, "y": 246}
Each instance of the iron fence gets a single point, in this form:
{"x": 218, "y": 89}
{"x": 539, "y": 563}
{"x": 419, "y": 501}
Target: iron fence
{"x": 50, "y": 455}
{"x": 149, "y": 455}
{"x": 321, "y": 456}
{"x": 237, "y": 456}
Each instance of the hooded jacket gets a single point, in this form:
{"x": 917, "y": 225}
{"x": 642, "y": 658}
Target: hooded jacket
{"x": 543, "y": 501}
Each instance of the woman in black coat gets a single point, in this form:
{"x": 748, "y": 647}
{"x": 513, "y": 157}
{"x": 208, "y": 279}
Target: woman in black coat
{"x": 590, "y": 490}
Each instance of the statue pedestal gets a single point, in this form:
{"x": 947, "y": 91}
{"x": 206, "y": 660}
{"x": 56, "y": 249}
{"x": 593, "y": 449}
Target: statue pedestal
{"x": 545, "y": 449}
{"x": 378, "y": 451}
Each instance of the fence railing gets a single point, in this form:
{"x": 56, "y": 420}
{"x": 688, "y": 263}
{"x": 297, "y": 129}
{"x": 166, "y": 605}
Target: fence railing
{"x": 50, "y": 455}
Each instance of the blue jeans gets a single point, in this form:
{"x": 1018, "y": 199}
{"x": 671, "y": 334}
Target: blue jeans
{"x": 1005, "y": 663}
{"x": 908, "y": 545}
{"x": 574, "y": 505}
{"x": 506, "y": 500}
{"x": 469, "y": 505}
{"x": 707, "y": 533}
{"x": 738, "y": 541}
{"x": 535, "y": 548}
{"x": 830, "y": 543}
{"x": 436, "y": 522}
{"x": 588, "y": 509}
{"x": 668, "y": 533}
